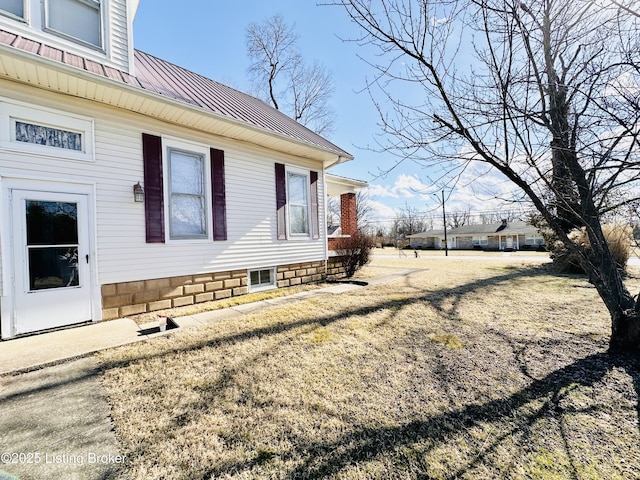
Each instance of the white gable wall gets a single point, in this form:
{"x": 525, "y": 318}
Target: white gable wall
{"x": 118, "y": 47}
{"x": 122, "y": 252}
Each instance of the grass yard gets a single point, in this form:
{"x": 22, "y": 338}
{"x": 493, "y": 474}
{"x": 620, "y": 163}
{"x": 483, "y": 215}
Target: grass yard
{"x": 467, "y": 369}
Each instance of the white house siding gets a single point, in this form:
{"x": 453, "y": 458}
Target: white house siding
{"x": 119, "y": 26}
{"x": 122, "y": 253}
{"x": 116, "y": 35}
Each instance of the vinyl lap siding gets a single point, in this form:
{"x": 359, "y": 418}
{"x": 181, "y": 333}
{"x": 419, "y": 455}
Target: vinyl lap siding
{"x": 251, "y": 210}
{"x": 122, "y": 252}
{"x": 251, "y": 228}
{"x": 118, "y": 25}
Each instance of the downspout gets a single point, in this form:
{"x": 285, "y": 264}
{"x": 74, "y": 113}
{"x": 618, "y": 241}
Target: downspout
{"x": 324, "y": 222}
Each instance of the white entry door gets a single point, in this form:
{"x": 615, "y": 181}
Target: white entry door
{"x": 51, "y": 260}
{"x": 509, "y": 242}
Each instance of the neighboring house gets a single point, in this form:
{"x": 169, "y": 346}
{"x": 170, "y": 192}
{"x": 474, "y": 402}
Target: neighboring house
{"x": 494, "y": 236}
{"x": 129, "y": 184}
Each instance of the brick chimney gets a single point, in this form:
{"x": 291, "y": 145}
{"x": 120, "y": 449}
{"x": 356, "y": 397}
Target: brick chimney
{"x": 348, "y": 217}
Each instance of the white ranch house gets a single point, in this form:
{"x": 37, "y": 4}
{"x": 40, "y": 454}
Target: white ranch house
{"x": 494, "y": 236}
{"x": 129, "y": 184}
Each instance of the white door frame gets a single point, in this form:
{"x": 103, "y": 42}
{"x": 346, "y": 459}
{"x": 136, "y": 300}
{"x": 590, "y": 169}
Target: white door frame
{"x": 37, "y": 184}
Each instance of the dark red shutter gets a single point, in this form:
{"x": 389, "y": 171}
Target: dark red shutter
{"x": 218, "y": 195}
{"x": 281, "y": 201}
{"x": 315, "y": 224}
{"x": 153, "y": 188}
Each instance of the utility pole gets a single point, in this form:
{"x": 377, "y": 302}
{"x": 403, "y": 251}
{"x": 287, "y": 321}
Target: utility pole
{"x": 444, "y": 222}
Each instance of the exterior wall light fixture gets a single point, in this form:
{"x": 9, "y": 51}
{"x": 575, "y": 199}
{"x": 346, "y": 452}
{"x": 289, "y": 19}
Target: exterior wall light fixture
{"x": 138, "y": 193}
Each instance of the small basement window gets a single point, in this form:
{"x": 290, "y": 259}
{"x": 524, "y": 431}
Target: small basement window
{"x": 262, "y": 279}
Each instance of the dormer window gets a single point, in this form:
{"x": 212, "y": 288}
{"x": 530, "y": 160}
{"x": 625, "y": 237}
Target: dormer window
{"x": 12, "y": 7}
{"x": 78, "y": 19}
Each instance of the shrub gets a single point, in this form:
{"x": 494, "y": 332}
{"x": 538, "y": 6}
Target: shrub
{"x": 354, "y": 252}
{"x": 618, "y": 238}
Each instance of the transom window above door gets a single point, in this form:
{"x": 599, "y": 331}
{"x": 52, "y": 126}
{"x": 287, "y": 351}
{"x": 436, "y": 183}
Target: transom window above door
{"x": 43, "y": 131}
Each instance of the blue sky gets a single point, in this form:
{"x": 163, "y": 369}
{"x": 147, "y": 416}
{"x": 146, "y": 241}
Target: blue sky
{"x": 208, "y": 37}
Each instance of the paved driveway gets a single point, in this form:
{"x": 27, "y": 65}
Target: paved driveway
{"x": 55, "y": 424}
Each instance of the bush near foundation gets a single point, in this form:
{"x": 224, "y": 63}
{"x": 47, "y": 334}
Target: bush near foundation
{"x": 354, "y": 252}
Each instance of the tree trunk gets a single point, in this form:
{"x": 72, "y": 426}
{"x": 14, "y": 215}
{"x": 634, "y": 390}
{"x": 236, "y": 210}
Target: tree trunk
{"x": 605, "y": 275}
{"x": 625, "y": 331}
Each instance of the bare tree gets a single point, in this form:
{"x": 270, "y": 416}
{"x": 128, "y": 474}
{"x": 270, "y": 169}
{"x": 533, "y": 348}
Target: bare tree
{"x": 458, "y": 218}
{"x": 410, "y": 220}
{"x": 364, "y": 210}
{"x": 333, "y": 211}
{"x": 280, "y": 75}
{"x": 495, "y": 217}
{"x": 546, "y": 92}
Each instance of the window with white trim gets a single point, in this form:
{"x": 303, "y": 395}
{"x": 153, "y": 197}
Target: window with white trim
{"x": 480, "y": 240}
{"x": 262, "y": 279}
{"x": 188, "y": 212}
{"x": 13, "y": 8}
{"x": 298, "y": 202}
{"x": 49, "y": 136}
{"x": 534, "y": 240}
{"x": 39, "y": 130}
{"x": 78, "y": 20}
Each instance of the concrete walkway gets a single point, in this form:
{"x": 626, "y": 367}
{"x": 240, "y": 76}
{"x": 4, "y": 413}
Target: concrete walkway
{"x": 54, "y": 418}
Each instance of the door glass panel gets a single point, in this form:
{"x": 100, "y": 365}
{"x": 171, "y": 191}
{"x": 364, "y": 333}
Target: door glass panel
{"x": 53, "y": 267}
{"x": 52, "y": 223}
{"x": 52, "y": 244}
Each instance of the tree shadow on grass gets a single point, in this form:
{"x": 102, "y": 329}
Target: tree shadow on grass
{"x": 434, "y": 298}
{"x": 367, "y": 444}
{"x": 322, "y": 459}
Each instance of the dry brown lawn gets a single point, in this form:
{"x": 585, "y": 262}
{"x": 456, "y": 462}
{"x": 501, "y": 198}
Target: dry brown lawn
{"x": 467, "y": 369}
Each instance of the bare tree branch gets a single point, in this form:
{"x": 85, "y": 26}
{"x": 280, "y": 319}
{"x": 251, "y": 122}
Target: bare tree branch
{"x": 279, "y": 74}
{"x": 545, "y": 92}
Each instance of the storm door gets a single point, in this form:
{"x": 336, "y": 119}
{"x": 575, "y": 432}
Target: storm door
{"x": 51, "y": 260}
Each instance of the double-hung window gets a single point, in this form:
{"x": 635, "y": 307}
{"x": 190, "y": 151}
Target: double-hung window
{"x": 298, "y": 201}
{"x": 12, "y": 8}
{"x": 297, "y": 205}
{"x": 184, "y": 185}
{"x": 187, "y": 194}
{"x": 78, "y": 19}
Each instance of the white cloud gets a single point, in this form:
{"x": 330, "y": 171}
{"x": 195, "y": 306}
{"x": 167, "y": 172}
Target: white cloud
{"x": 405, "y": 186}
{"x": 381, "y": 212}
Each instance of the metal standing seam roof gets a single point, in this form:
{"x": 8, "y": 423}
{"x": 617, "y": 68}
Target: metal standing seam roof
{"x": 172, "y": 81}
